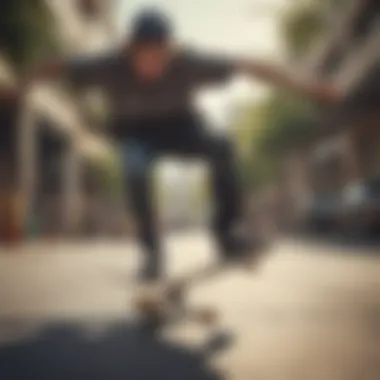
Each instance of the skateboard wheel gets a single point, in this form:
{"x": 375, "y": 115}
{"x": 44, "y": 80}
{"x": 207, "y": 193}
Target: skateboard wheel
{"x": 219, "y": 342}
{"x": 251, "y": 261}
{"x": 208, "y": 316}
{"x": 147, "y": 306}
{"x": 151, "y": 323}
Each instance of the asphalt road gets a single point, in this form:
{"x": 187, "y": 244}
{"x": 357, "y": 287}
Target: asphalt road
{"x": 307, "y": 312}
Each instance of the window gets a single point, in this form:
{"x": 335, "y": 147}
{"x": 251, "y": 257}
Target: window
{"x": 366, "y": 18}
{"x": 354, "y": 193}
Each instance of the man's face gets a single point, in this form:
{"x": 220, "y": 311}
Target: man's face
{"x": 151, "y": 60}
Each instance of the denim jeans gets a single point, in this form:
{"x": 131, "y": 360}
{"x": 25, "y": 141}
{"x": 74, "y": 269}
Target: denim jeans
{"x": 139, "y": 156}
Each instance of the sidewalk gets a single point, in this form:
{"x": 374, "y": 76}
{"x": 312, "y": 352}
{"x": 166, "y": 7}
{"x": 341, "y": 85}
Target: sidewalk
{"x": 306, "y": 313}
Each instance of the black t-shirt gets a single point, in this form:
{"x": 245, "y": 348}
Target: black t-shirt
{"x": 137, "y": 106}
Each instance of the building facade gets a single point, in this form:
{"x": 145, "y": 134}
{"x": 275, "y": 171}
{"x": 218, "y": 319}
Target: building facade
{"x": 346, "y": 149}
{"x": 50, "y": 139}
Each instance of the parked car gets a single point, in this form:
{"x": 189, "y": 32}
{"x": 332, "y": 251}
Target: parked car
{"x": 360, "y": 213}
{"x": 322, "y": 213}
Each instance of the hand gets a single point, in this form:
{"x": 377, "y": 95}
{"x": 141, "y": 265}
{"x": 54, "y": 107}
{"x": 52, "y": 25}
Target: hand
{"x": 314, "y": 90}
{"x": 327, "y": 94}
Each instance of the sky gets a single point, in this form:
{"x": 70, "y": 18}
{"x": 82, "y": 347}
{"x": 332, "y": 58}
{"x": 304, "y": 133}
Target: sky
{"x": 246, "y": 28}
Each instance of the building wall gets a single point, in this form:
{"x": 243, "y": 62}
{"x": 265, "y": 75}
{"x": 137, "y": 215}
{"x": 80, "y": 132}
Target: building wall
{"x": 367, "y": 142}
{"x": 350, "y": 45}
{"x": 347, "y": 54}
{"x": 66, "y": 121}
{"x": 10, "y": 205}
{"x": 79, "y": 32}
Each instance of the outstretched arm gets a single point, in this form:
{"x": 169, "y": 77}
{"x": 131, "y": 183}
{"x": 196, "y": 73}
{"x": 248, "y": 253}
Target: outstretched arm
{"x": 313, "y": 89}
{"x": 81, "y": 71}
{"x": 44, "y": 72}
{"x": 49, "y": 70}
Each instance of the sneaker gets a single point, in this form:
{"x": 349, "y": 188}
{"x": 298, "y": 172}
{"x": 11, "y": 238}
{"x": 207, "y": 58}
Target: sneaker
{"x": 238, "y": 248}
{"x": 151, "y": 270}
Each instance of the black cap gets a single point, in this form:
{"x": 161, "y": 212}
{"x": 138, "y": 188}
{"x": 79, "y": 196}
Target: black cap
{"x": 151, "y": 26}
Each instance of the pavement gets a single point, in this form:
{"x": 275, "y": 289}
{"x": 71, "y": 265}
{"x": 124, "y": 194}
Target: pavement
{"x": 308, "y": 311}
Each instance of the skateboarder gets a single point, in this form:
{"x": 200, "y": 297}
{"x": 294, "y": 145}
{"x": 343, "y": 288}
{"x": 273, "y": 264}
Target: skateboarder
{"x": 150, "y": 82}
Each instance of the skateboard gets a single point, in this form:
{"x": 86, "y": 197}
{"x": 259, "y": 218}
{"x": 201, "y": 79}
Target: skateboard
{"x": 165, "y": 302}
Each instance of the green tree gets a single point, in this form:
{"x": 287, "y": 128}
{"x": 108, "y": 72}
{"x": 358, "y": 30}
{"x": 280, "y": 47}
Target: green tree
{"x": 287, "y": 121}
{"x": 302, "y": 25}
{"x": 268, "y": 128}
{"x": 107, "y": 172}
{"x": 272, "y": 127}
{"x": 26, "y": 31}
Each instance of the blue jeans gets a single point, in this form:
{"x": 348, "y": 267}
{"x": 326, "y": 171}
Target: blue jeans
{"x": 139, "y": 156}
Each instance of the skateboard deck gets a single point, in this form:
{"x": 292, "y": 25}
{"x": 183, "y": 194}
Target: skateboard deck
{"x": 166, "y": 301}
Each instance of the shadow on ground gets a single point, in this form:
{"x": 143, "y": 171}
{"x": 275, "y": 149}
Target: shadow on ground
{"x": 63, "y": 352}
